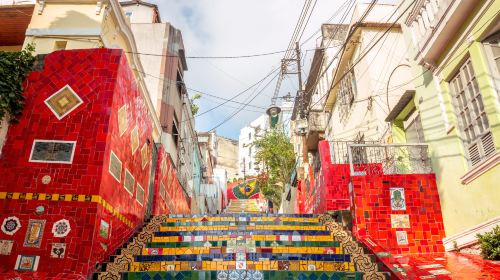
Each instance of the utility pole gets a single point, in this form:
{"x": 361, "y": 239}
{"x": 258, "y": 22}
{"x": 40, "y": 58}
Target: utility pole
{"x": 301, "y": 94}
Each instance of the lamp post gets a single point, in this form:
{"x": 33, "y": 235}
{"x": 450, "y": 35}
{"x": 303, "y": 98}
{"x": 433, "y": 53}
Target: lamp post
{"x": 273, "y": 112}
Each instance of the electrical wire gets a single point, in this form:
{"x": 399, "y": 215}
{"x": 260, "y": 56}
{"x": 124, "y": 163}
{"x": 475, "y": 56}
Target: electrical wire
{"x": 237, "y": 111}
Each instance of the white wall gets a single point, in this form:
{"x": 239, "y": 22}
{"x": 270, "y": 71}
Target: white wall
{"x": 246, "y": 151}
{"x": 140, "y": 13}
{"x": 367, "y": 114}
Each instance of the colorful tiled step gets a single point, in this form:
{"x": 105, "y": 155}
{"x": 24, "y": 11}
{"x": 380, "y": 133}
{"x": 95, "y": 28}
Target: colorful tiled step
{"x": 225, "y": 250}
{"x": 242, "y": 274}
{"x": 267, "y": 227}
{"x": 249, "y": 265}
{"x": 269, "y": 237}
{"x": 257, "y": 243}
{"x": 242, "y": 232}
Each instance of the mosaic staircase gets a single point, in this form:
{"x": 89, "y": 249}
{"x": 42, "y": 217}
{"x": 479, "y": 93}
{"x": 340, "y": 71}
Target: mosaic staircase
{"x": 242, "y": 246}
{"x": 243, "y": 206}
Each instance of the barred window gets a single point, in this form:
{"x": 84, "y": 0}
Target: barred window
{"x": 347, "y": 92}
{"x": 472, "y": 119}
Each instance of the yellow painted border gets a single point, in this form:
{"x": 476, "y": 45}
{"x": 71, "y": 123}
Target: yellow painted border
{"x": 68, "y": 197}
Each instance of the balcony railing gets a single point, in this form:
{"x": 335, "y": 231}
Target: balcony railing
{"x": 378, "y": 159}
{"x": 339, "y": 150}
{"x": 317, "y": 121}
{"x": 434, "y": 22}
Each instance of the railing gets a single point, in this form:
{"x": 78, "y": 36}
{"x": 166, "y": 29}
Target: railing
{"x": 378, "y": 159}
{"x": 339, "y": 150}
{"x": 425, "y": 16}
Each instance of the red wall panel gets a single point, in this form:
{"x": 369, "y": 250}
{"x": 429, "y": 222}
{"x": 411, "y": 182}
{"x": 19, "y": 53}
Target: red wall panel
{"x": 104, "y": 82}
{"x": 372, "y": 212}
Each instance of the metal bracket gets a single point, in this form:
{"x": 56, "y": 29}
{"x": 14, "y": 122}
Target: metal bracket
{"x": 98, "y": 7}
{"x": 41, "y": 6}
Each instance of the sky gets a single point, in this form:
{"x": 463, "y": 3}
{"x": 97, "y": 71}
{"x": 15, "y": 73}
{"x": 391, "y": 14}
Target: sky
{"x": 240, "y": 27}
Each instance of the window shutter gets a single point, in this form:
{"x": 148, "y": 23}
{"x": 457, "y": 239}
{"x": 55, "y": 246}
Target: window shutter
{"x": 475, "y": 156}
{"x": 488, "y": 145}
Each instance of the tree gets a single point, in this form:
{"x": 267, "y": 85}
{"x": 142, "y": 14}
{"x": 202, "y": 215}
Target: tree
{"x": 194, "y": 107}
{"x": 14, "y": 68}
{"x": 275, "y": 151}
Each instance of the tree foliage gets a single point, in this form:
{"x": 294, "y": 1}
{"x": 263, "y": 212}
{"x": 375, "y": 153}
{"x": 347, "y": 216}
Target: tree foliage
{"x": 195, "y": 108}
{"x": 275, "y": 151}
{"x": 14, "y": 68}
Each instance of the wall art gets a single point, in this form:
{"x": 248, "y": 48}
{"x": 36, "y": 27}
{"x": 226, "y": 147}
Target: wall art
{"x": 58, "y": 250}
{"x": 6, "y": 247}
{"x": 34, "y": 233}
{"x": 61, "y": 228}
{"x": 11, "y": 225}
{"x": 27, "y": 263}
{"x": 398, "y": 201}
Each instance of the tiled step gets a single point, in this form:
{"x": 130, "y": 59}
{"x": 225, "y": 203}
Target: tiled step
{"x": 242, "y": 275}
{"x": 190, "y": 250}
{"x": 223, "y": 243}
{"x": 232, "y": 223}
{"x": 279, "y": 265}
{"x": 240, "y": 232}
{"x": 249, "y": 256}
{"x": 239, "y": 215}
{"x": 267, "y": 237}
{"x": 255, "y": 228}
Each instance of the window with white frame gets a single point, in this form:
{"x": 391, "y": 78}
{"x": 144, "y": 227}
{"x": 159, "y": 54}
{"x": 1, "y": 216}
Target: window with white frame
{"x": 472, "y": 119}
{"x": 347, "y": 92}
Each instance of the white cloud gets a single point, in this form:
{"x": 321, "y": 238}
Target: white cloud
{"x": 238, "y": 27}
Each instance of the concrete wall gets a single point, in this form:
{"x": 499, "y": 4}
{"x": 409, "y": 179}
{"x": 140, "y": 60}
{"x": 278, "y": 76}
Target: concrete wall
{"x": 139, "y": 13}
{"x": 227, "y": 156}
{"x": 371, "y": 75}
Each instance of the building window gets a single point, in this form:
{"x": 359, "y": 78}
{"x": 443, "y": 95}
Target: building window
{"x": 52, "y": 151}
{"x": 347, "y": 92}
{"x": 180, "y": 83}
{"x": 249, "y": 136}
{"x": 250, "y": 166}
{"x": 413, "y": 128}
{"x": 472, "y": 119}
{"x": 249, "y": 151}
{"x": 492, "y": 48}
{"x": 60, "y": 45}
{"x": 128, "y": 14}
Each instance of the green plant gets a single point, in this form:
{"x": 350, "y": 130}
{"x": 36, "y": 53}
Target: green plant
{"x": 275, "y": 151}
{"x": 194, "y": 107}
{"x": 14, "y": 68}
{"x": 490, "y": 244}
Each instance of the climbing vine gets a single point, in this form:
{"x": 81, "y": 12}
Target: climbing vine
{"x": 14, "y": 68}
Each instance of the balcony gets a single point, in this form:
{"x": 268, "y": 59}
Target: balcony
{"x": 317, "y": 122}
{"x": 433, "y": 25}
{"x": 378, "y": 159}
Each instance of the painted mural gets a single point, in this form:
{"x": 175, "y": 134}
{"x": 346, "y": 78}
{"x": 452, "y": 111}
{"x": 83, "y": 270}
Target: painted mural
{"x": 248, "y": 189}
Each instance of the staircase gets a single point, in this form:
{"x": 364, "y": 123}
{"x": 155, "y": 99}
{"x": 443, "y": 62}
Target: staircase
{"x": 243, "y": 206}
{"x": 246, "y": 245}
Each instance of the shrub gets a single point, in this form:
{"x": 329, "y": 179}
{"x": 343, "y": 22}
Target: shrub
{"x": 490, "y": 244}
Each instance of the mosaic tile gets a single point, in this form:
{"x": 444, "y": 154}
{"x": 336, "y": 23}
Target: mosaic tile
{"x": 34, "y": 233}
{"x": 58, "y": 250}
{"x": 63, "y": 102}
{"x": 61, "y": 228}
{"x": 398, "y": 201}
{"x": 104, "y": 229}
{"x": 400, "y": 221}
{"x": 122, "y": 120}
{"x": 27, "y": 263}
{"x": 6, "y": 247}
{"x": 134, "y": 139}
{"x": 402, "y": 237}
{"x": 11, "y": 225}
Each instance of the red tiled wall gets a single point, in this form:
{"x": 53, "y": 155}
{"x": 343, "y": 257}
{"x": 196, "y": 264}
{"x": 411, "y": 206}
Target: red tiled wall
{"x": 91, "y": 74}
{"x": 126, "y": 93}
{"x": 103, "y": 80}
{"x": 174, "y": 201}
{"x": 372, "y": 212}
